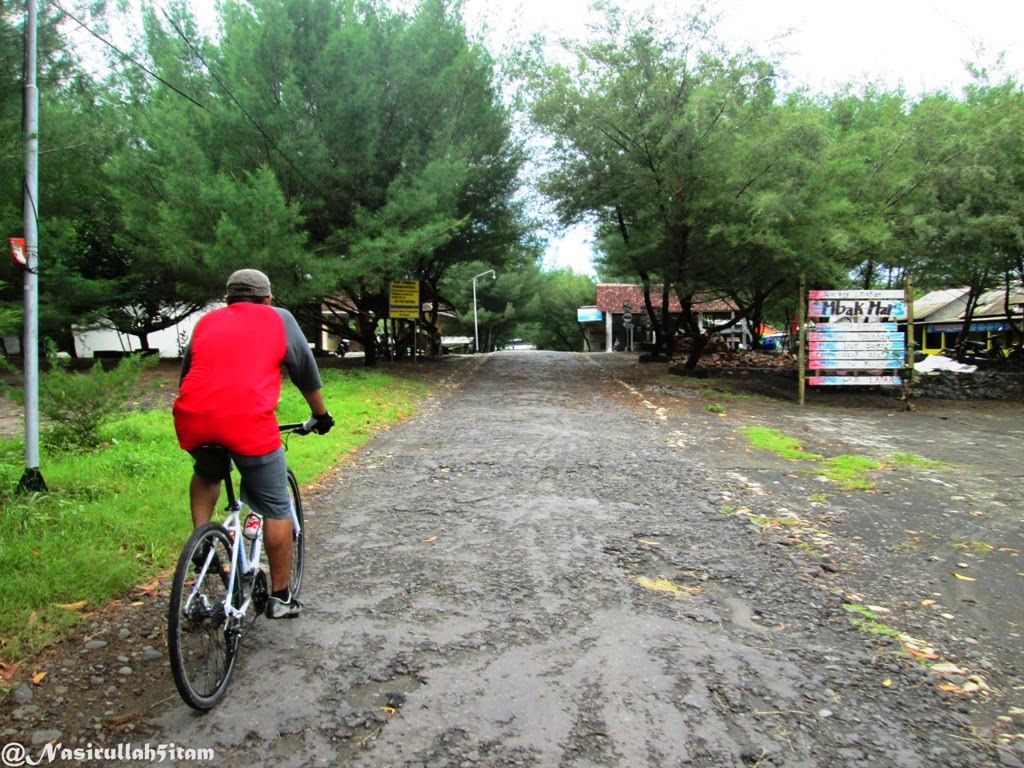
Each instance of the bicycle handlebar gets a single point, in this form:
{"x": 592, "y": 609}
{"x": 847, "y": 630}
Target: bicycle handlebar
{"x": 298, "y": 427}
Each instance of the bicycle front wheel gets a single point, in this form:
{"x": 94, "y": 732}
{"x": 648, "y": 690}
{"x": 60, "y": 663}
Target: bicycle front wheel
{"x": 201, "y": 641}
{"x": 298, "y": 537}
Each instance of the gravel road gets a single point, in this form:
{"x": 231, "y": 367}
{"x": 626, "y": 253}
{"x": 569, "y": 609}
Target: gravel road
{"x": 542, "y": 570}
{"x": 567, "y": 561}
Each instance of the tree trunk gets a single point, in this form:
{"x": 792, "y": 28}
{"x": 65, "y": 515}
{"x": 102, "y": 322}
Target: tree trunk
{"x": 700, "y": 342}
{"x": 368, "y": 338}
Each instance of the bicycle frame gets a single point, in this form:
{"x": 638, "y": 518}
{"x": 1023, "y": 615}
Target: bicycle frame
{"x": 244, "y": 559}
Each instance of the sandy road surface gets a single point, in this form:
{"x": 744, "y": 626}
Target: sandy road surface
{"x": 542, "y": 570}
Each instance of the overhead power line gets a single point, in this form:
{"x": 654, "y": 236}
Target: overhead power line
{"x": 230, "y": 94}
{"x": 227, "y": 90}
{"x": 127, "y": 56}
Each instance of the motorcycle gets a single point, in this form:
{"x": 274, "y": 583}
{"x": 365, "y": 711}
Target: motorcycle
{"x": 979, "y": 353}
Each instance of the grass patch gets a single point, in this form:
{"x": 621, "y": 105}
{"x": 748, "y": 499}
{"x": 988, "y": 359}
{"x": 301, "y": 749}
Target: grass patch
{"x": 974, "y": 545}
{"x": 774, "y": 522}
{"x": 848, "y": 471}
{"x": 717, "y": 389}
{"x": 716, "y": 408}
{"x": 912, "y": 460}
{"x": 772, "y": 440}
{"x": 118, "y": 516}
{"x": 867, "y": 620}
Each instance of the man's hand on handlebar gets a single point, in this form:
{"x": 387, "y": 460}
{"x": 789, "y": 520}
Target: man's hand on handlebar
{"x": 321, "y": 424}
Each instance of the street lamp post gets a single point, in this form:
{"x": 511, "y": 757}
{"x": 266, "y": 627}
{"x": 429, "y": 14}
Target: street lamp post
{"x": 476, "y": 326}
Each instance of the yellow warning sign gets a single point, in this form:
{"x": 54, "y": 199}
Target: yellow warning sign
{"x": 405, "y": 299}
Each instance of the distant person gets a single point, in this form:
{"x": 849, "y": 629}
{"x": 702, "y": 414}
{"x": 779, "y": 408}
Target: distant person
{"x": 230, "y": 385}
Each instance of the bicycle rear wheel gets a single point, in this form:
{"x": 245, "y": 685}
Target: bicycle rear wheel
{"x": 202, "y": 643}
{"x": 298, "y": 539}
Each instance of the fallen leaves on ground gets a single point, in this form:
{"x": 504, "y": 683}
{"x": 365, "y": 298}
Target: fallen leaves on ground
{"x": 7, "y": 670}
{"x": 661, "y": 584}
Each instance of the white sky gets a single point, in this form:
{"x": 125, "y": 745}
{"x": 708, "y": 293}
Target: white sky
{"x": 921, "y": 45}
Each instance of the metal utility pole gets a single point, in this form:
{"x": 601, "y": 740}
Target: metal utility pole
{"x": 476, "y": 327}
{"x": 32, "y": 480}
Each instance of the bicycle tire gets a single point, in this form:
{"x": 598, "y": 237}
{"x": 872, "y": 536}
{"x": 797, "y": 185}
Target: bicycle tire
{"x": 298, "y": 540}
{"x": 202, "y": 644}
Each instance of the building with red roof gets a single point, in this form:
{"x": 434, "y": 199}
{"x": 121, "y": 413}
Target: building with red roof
{"x": 618, "y": 320}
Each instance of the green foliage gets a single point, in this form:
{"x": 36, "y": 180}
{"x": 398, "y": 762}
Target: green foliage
{"x": 975, "y": 545}
{"x": 340, "y": 145}
{"x": 552, "y": 312}
{"x": 526, "y": 302}
{"x": 337, "y": 146}
{"x": 80, "y": 403}
{"x": 703, "y": 178}
{"x": 74, "y": 139}
{"x": 653, "y": 141}
{"x": 117, "y": 516}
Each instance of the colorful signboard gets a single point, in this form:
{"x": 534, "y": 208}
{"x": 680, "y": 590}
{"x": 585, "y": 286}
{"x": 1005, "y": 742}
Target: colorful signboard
{"x": 817, "y": 364}
{"x": 405, "y": 299}
{"x": 854, "y": 334}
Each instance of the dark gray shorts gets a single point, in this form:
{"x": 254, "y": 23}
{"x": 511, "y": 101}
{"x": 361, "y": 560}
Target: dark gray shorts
{"x": 264, "y": 484}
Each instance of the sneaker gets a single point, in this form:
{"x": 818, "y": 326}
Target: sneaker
{"x": 283, "y": 609}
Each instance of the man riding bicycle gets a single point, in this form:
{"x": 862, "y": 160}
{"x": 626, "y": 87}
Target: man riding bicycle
{"x": 230, "y": 385}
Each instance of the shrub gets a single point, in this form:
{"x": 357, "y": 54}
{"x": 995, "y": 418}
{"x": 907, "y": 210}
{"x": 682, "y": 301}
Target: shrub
{"x": 79, "y": 404}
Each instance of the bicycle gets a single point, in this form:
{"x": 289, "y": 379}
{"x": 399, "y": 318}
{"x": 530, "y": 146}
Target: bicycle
{"x": 218, "y": 579}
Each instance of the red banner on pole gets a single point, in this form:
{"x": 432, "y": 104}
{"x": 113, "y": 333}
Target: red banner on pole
{"x": 18, "y": 254}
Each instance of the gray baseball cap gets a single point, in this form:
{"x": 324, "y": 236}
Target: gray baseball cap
{"x": 248, "y": 282}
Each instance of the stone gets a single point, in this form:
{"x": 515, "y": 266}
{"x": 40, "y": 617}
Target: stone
{"x": 41, "y": 737}
{"x": 22, "y": 694}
